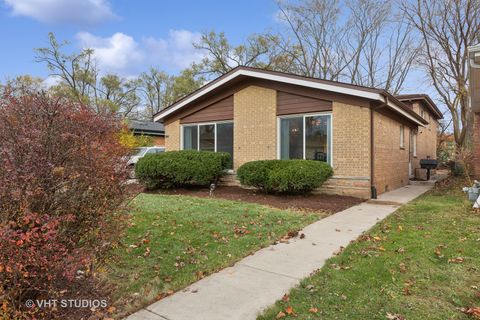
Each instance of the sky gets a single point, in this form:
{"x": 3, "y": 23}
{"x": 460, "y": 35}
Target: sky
{"x": 128, "y": 35}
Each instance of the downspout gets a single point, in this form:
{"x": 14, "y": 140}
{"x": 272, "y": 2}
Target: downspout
{"x": 373, "y": 189}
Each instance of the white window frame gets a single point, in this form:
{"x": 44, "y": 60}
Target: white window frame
{"x": 305, "y": 115}
{"x": 198, "y": 124}
{"x": 402, "y": 136}
{"x": 414, "y": 142}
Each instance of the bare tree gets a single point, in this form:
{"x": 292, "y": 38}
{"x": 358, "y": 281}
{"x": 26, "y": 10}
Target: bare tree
{"x": 258, "y": 51}
{"x": 315, "y": 39}
{"x": 80, "y": 79}
{"x": 363, "y": 42}
{"x": 156, "y": 87}
{"x": 446, "y": 29}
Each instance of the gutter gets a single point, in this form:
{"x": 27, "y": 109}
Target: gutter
{"x": 373, "y": 189}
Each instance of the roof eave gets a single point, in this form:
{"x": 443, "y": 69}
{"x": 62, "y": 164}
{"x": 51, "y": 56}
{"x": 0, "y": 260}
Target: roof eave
{"x": 371, "y": 94}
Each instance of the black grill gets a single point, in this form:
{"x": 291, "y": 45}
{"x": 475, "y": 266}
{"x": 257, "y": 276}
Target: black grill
{"x": 428, "y": 164}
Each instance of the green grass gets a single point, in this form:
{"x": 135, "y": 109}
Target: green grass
{"x": 173, "y": 241}
{"x": 406, "y": 273}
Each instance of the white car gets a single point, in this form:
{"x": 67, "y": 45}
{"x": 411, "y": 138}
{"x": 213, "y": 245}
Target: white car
{"x": 141, "y": 152}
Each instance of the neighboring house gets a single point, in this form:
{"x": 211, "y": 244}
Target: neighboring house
{"x": 151, "y": 129}
{"x": 365, "y": 134}
{"x": 474, "y": 65}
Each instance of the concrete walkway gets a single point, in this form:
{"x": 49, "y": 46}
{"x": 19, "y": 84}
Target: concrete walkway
{"x": 256, "y": 282}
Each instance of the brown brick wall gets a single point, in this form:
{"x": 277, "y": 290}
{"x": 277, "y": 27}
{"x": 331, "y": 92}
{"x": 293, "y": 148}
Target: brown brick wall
{"x": 158, "y": 141}
{"x": 476, "y": 145}
{"x": 351, "y": 151}
{"x": 172, "y": 136}
{"x": 255, "y": 128}
{"x": 391, "y": 161}
{"x": 426, "y": 139}
{"x": 351, "y": 140}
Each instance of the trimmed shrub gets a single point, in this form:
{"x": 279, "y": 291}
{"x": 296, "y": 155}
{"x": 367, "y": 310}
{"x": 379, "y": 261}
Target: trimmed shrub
{"x": 284, "y": 176}
{"x": 181, "y": 168}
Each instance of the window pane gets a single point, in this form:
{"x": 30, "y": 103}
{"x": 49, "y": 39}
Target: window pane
{"x": 190, "y": 137}
{"x": 291, "y": 138}
{"x": 207, "y": 137}
{"x": 225, "y": 140}
{"x": 317, "y": 137}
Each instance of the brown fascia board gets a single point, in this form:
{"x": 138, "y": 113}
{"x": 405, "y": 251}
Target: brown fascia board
{"x": 403, "y": 106}
{"x": 424, "y": 97}
{"x": 294, "y": 76}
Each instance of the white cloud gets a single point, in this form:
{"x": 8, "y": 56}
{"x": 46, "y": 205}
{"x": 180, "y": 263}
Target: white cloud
{"x": 113, "y": 54}
{"x": 177, "y": 50}
{"x": 75, "y": 12}
{"x": 122, "y": 54}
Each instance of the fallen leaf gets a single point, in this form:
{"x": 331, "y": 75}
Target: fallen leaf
{"x": 381, "y": 248}
{"x": 396, "y": 316}
{"x": 313, "y": 310}
{"x": 456, "y": 260}
{"x": 111, "y": 309}
{"x": 289, "y": 310}
{"x": 285, "y": 298}
{"x": 280, "y": 315}
{"x": 302, "y": 235}
{"x": 147, "y": 252}
{"x": 472, "y": 311}
{"x": 400, "y": 228}
{"x": 402, "y": 267}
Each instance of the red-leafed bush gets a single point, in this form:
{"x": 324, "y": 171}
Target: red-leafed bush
{"x": 62, "y": 173}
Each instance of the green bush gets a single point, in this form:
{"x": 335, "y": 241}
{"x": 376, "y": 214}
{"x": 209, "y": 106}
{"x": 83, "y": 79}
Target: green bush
{"x": 284, "y": 176}
{"x": 181, "y": 168}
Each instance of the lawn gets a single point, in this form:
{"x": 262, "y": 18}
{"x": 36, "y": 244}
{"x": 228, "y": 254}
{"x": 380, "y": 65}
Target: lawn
{"x": 422, "y": 262}
{"x": 173, "y": 241}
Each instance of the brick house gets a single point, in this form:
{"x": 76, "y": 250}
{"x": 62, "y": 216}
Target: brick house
{"x": 474, "y": 55}
{"x": 372, "y": 139}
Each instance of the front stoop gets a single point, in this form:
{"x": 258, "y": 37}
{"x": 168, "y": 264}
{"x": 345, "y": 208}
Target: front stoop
{"x": 256, "y": 282}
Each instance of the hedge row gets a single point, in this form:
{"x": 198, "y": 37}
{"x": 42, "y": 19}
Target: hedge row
{"x": 181, "y": 168}
{"x": 201, "y": 168}
{"x": 284, "y": 176}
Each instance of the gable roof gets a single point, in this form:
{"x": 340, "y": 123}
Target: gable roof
{"x": 338, "y": 87}
{"x": 146, "y": 127}
{"x": 422, "y": 97}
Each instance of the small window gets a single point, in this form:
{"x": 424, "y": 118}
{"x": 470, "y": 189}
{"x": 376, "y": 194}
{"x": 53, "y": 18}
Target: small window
{"x": 414, "y": 144}
{"x": 402, "y": 136}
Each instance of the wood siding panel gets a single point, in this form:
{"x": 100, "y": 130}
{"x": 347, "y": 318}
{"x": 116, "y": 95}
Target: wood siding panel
{"x": 288, "y": 103}
{"x": 218, "y": 111}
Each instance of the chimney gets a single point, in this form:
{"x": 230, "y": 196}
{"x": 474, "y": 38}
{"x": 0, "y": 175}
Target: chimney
{"x": 474, "y": 65}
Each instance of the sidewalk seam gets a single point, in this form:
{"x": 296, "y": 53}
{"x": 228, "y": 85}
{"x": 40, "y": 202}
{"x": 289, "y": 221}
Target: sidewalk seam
{"x": 153, "y": 312}
{"x": 266, "y": 271}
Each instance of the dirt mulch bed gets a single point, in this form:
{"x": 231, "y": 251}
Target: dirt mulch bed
{"x": 311, "y": 202}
